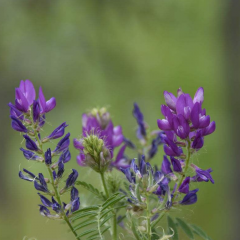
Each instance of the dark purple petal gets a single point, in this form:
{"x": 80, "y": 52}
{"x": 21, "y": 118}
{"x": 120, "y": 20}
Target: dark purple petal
{"x": 48, "y": 157}
{"x": 81, "y": 160}
{"x": 29, "y": 155}
{"x": 72, "y": 178}
{"x": 204, "y": 175}
{"x": 60, "y": 169}
{"x": 183, "y": 101}
{"x": 75, "y": 204}
{"x": 42, "y": 100}
{"x": 190, "y": 198}
{"x": 77, "y": 143}
{"x": 198, "y": 140}
{"x": 129, "y": 143}
{"x": 30, "y": 144}
{"x": 63, "y": 144}
{"x": 74, "y": 194}
{"x": 15, "y": 112}
{"x": 127, "y": 173}
{"x": 36, "y": 111}
{"x": 44, "y": 211}
{"x": 58, "y": 132}
{"x": 45, "y": 201}
{"x": 55, "y": 206}
{"x": 181, "y": 126}
{"x": 24, "y": 177}
{"x": 142, "y": 165}
{"x": 176, "y": 164}
{"x": 65, "y": 157}
{"x": 195, "y": 115}
{"x": 140, "y": 119}
{"x": 166, "y": 166}
{"x": 184, "y": 188}
{"x": 17, "y": 125}
{"x": 42, "y": 120}
{"x": 204, "y": 121}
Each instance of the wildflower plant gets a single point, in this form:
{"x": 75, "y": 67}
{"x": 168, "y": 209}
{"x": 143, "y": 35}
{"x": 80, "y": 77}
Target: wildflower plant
{"x": 136, "y": 196}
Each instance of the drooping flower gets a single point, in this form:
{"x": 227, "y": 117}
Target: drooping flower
{"x": 58, "y": 132}
{"x": 17, "y": 125}
{"x": 202, "y": 175}
{"x": 63, "y": 144}
{"x": 71, "y": 179}
{"x": 184, "y": 188}
{"x": 30, "y": 144}
{"x": 190, "y": 198}
{"x": 30, "y": 155}
{"x": 41, "y": 185}
{"x": 28, "y": 177}
{"x": 141, "y": 131}
{"x": 48, "y": 157}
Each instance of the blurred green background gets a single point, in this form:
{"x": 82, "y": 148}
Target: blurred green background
{"x": 112, "y": 53}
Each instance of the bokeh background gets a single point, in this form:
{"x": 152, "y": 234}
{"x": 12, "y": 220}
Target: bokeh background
{"x": 112, "y": 53}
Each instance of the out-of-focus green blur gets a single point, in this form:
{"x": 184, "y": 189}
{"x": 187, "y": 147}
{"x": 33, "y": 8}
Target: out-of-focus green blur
{"x": 112, "y": 53}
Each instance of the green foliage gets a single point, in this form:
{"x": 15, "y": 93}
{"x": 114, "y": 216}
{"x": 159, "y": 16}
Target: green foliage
{"x": 185, "y": 227}
{"x": 197, "y": 230}
{"x": 93, "y": 221}
{"x": 91, "y": 189}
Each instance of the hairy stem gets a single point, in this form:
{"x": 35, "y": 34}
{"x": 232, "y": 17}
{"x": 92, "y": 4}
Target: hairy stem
{"x": 149, "y": 233}
{"x": 179, "y": 183}
{"x": 114, "y": 224}
{"x": 55, "y": 188}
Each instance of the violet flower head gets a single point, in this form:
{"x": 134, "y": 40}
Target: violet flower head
{"x": 36, "y": 111}
{"x": 202, "y": 175}
{"x": 166, "y": 166}
{"x": 65, "y": 157}
{"x": 176, "y": 165}
{"x": 71, "y": 179}
{"x": 30, "y": 155}
{"x": 184, "y": 188}
{"x": 28, "y": 176}
{"x": 42, "y": 185}
{"x": 48, "y": 157}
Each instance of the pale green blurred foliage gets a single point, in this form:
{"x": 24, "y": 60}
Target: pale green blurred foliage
{"x": 110, "y": 53}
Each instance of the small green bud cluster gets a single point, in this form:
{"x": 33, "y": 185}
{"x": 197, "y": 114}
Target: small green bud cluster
{"x": 97, "y": 155}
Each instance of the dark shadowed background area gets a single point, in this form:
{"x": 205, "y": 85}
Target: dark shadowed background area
{"x": 112, "y": 53}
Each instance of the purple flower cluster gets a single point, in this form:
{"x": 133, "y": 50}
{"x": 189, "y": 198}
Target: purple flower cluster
{"x": 28, "y": 117}
{"x": 185, "y": 118}
{"x": 99, "y": 123}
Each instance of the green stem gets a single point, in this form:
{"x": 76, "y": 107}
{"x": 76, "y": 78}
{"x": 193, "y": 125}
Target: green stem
{"x": 179, "y": 183}
{"x": 114, "y": 224}
{"x": 149, "y": 233}
{"x": 55, "y": 188}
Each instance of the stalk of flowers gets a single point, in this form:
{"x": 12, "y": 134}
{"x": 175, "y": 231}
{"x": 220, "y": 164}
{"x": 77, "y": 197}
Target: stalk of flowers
{"x": 185, "y": 126}
{"x": 144, "y": 184}
{"x": 28, "y": 117}
{"x": 148, "y": 141}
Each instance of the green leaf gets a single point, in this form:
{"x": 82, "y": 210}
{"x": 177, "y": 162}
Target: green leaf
{"x": 185, "y": 228}
{"x": 106, "y": 219}
{"x": 86, "y": 232}
{"x": 171, "y": 224}
{"x": 91, "y": 189}
{"x": 87, "y": 209}
{"x": 111, "y": 201}
{"x": 105, "y": 229}
{"x": 197, "y": 230}
{"x": 84, "y": 224}
{"x": 135, "y": 231}
{"x": 82, "y": 215}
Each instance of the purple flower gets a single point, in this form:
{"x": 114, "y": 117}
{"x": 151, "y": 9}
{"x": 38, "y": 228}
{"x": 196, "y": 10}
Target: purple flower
{"x": 36, "y": 111}
{"x": 29, "y": 177}
{"x": 60, "y": 169}
{"x": 198, "y": 140}
{"x": 155, "y": 143}
{"x": 209, "y": 130}
{"x": 58, "y": 132}
{"x": 46, "y": 106}
{"x": 181, "y": 126}
{"x": 25, "y": 95}
{"x": 71, "y": 178}
{"x": 128, "y": 174}
{"x": 184, "y": 188}
{"x": 190, "y": 198}
{"x": 198, "y": 117}
{"x": 48, "y": 157}
{"x": 166, "y": 166}
{"x": 176, "y": 164}
{"x": 55, "y": 206}
{"x": 44, "y": 211}
{"x": 45, "y": 201}
{"x": 121, "y": 161}
{"x": 42, "y": 185}
{"x": 129, "y": 143}
{"x": 171, "y": 149}
{"x": 141, "y": 131}
{"x": 63, "y": 144}
{"x": 30, "y": 155}
{"x": 199, "y": 96}
{"x": 17, "y": 125}
{"x": 65, "y": 157}
{"x": 75, "y": 204}
{"x": 202, "y": 175}
{"x": 170, "y": 100}
{"x": 15, "y": 112}
{"x": 30, "y": 144}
